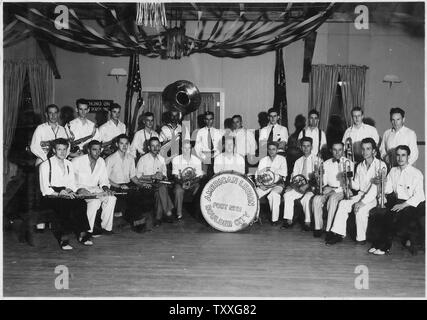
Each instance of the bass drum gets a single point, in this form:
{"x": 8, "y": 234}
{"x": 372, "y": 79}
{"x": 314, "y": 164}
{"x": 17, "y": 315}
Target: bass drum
{"x": 229, "y": 202}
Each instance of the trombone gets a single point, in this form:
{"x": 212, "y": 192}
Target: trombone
{"x": 349, "y": 149}
{"x": 348, "y": 175}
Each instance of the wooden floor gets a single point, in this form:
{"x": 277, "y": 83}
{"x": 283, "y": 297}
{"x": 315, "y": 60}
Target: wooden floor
{"x": 189, "y": 259}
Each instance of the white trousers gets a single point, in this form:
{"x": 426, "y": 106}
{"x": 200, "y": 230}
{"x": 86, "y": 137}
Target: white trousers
{"x": 331, "y": 199}
{"x": 107, "y": 215}
{"x": 289, "y": 198}
{"x": 344, "y": 208}
{"x": 273, "y": 196}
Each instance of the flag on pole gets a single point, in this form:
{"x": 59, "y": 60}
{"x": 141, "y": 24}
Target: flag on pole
{"x": 134, "y": 90}
{"x": 280, "y": 101}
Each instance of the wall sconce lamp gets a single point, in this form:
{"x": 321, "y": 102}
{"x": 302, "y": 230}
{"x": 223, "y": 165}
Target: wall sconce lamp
{"x": 118, "y": 72}
{"x": 391, "y": 78}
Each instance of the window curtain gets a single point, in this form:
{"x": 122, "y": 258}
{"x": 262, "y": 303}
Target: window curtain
{"x": 154, "y": 104}
{"x": 322, "y": 89}
{"x": 208, "y": 103}
{"x": 13, "y": 84}
{"x": 40, "y": 78}
{"x": 353, "y": 88}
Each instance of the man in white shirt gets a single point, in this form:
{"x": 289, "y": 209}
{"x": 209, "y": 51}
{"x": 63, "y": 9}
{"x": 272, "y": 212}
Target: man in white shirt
{"x": 139, "y": 145}
{"x": 179, "y": 164}
{"x": 398, "y": 135}
{"x": 357, "y": 132}
{"x": 92, "y": 177}
{"x": 313, "y": 131}
{"x": 110, "y": 130}
{"x": 81, "y": 129}
{"x": 40, "y": 146}
{"x": 273, "y": 132}
{"x": 245, "y": 141}
{"x": 58, "y": 186}
{"x": 405, "y": 205}
{"x": 333, "y": 180}
{"x": 122, "y": 175}
{"x": 228, "y": 160}
{"x": 276, "y": 164}
{"x": 303, "y": 166}
{"x": 151, "y": 167}
{"x": 208, "y": 143}
{"x": 363, "y": 202}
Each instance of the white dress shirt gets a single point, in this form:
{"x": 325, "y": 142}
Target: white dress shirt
{"x": 245, "y": 141}
{"x": 404, "y": 136}
{"x": 139, "y": 139}
{"x": 44, "y": 132}
{"x": 149, "y": 165}
{"x": 81, "y": 130}
{"x": 120, "y": 170}
{"x": 180, "y": 163}
{"x": 109, "y": 130}
{"x": 224, "y": 162}
{"x": 88, "y": 179}
{"x": 278, "y": 166}
{"x": 363, "y": 179}
{"x": 58, "y": 177}
{"x": 407, "y": 184}
{"x": 314, "y": 134}
{"x": 167, "y": 132}
{"x": 279, "y": 133}
{"x": 299, "y": 165}
{"x": 332, "y": 175}
{"x": 202, "y": 144}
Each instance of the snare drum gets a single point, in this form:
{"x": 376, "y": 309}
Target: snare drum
{"x": 229, "y": 202}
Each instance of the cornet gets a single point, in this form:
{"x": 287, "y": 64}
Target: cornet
{"x": 348, "y": 175}
{"x": 349, "y": 149}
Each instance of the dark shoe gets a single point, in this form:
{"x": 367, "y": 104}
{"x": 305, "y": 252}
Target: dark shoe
{"x": 157, "y": 223}
{"x": 317, "y": 233}
{"x": 107, "y": 233}
{"x": 168, "y": 219}
{"x": 38, "y": 230}
{"x": 362, "y": 243}
{"x": 179, "y": 217}
{"x": 86, "y": 240}
{"x": 413, "y": 249}
{"x": 97, "y": 233}
{"x": 306, "y": 227}
{"x": 140, "y": 228}
{"x": 65, "y": 245}
{"x": 334, "y": 239}
{"x": 286, "y": 225}
{"x": 274, "y": 223}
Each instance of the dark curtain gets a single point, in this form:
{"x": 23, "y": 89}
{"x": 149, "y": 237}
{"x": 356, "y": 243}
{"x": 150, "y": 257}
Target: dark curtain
{"x": 40, "y": 77}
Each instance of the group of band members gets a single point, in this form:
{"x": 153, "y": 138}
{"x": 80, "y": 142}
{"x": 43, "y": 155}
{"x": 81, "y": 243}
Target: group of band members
{"x": 133, "y": 178}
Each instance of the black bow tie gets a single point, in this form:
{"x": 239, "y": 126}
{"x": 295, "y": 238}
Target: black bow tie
{"x": 336, "y": 160}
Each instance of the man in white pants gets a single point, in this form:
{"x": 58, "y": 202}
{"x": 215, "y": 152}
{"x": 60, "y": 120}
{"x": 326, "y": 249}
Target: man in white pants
{"x": 363, "y": 201}
{"x": 277, "y": 164}
{"x": 332, "y": 188}
{"x": 92, "y": 177}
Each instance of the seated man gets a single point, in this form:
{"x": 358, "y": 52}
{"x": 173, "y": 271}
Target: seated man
{"x": 405, "y": 205}
{"x": 91, "y": 177}
{"x": 179, "y": 164}
{"x": 122, "y": 175}
{"x": 151, "y": 169}
{"x": 303, "y": 166}
{"x": 58, "y": 185}
{"x": 332, "y": 190}
{"x": 277, "y": 164}
{"x": 228, "y": 160}
{"x": 363, "y": 201}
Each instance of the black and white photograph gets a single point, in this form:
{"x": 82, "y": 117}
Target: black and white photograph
{"x": 213, "y": 150}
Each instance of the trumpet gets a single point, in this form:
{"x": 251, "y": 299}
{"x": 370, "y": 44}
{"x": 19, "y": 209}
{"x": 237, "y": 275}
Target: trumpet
{"x": 381, "y": 175}
{"x": 348, "y": 175}
{"x": 349, "y": 149}
{"x": 319, "y": 171}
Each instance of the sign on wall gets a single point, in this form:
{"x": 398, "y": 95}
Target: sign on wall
{"x": 99, "y": 105}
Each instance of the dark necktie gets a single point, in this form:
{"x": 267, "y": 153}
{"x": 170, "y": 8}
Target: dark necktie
{"x": 270, "y": 136}
{"x": 336, "y": 160}
{"x": 210, "y": 141}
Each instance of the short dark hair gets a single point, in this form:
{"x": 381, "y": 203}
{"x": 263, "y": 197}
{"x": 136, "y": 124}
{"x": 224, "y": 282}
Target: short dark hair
{"x": 121, "y": 136}
{"x": 397, "y": 110}
{"x": 403, "y": 147}
{"x": 59, "y": 141}
{"x": 93, "y": 143}
{"x": 371, "y": 141}
{"x": 148, "y": 114}
{"x": 337, "y": 142}
{"x": 52, "y": 106}
{"x": 356, "y": 109}
{"x": 209, "y": 113}
{"x": 115, "y": 106}
{"x": 237, "y": 116}
{"x": 306, "y": 139}
{"x": 314, "y": 112}
{"x": 272, "y": 143}
{"x": 153, "y": 139}
{"x": 272, "y": 110}
{"x": 81, "y": 101}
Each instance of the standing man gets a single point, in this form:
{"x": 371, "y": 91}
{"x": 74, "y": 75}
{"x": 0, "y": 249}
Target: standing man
{"x": 359, "y": 131}
{"x": 151, "y": 167}
{"x": 139, "y": 145}
{"x": 303, "y": 166}
{"x": 40, "y": 146}
{"x": 405, "y": 205}
{"x": 245, "y": 141}
{"x": 398, "y": 135}
{"x": 208, "y": 143}
{"x": 313, "y": 131}
{"x": 122, "y": 175}
{"x": 363, "y": 201}
{"x": 81, "y": 129}
{"x": 273, "y": 132}
{"x": 276, "y": 164}
{"x": 228, "y": 160}
{"x": 332, "y": 188}
{"x": 111, "y": 129}
{"x": 180, "y": 164}
{"x": 92, "y": 177}
{"x": 58, "y": 186}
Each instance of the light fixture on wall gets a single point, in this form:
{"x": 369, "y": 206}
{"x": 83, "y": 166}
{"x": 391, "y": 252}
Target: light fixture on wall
{"x": 118, "y": 72}
{"x": 391, "y": 78}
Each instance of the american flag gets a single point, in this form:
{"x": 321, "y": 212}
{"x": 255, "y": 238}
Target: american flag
{"x": 134, "y": 87}
{"x": 280, "y": 101}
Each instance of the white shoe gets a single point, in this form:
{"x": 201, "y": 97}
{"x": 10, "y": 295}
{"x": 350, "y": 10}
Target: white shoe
{"x": 118, "y": 214}
{"x": 372, "y": 250}
{"x": 67, "y": 247}
{"x": 379, "y": 252}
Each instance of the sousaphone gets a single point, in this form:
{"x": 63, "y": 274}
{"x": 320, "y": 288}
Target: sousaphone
{"x": 182, "y": 96}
